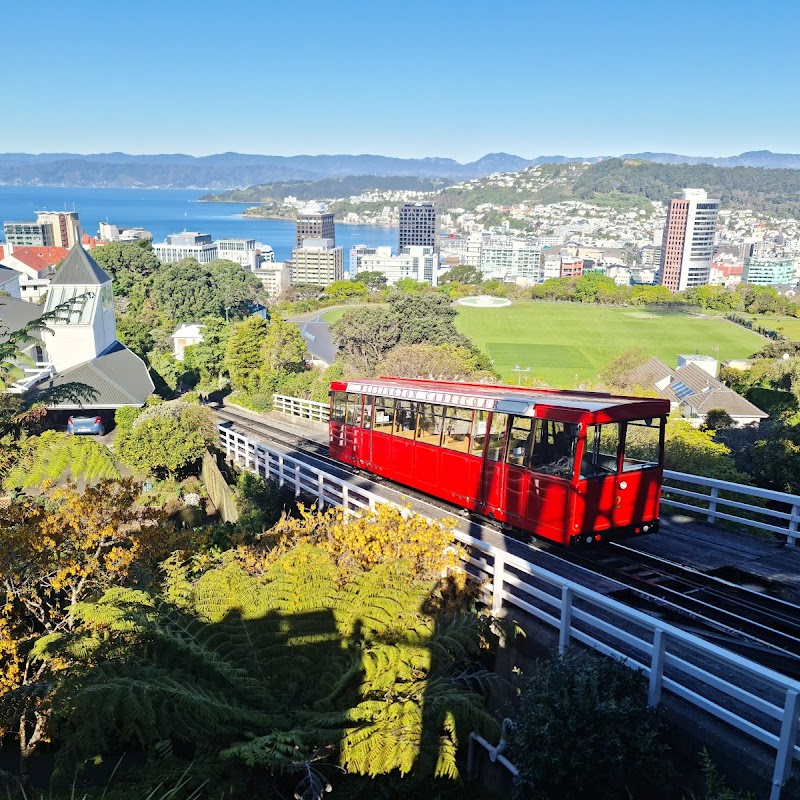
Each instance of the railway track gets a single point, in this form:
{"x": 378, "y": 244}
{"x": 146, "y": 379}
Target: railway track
{"x": 764, "y": 628}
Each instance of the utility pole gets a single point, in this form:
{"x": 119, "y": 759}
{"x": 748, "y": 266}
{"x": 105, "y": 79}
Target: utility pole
{"x": 520, "y": 371}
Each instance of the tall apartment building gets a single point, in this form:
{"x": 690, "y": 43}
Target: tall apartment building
{"x": 315, "y": 226}
{"x": 688, "y": 245}
{"x": 186, "y": 245}
{"x": 509, "y": 259}
{"x": 318, "y": 262}
{"x": 65, "y": 227}
{"x": 419, "y": 226}
{"x": 51, "y": 229}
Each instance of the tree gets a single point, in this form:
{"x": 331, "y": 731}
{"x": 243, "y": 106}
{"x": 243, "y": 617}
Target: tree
{"x": 57, "y": 551}
{"x": 128, "y": 263}
{"x": 617, "y": 372}
{"x": 443, "y": 362}
{"x": 374, "y": 281}
{"x": 365, "y": 335}
{"x": 689, "y": 449}
{"x": 284, "y": 348}
{"x": 717, "y": 419}
{"x": 135, "y": 335}
{"x": 236, "y": 287}
{"x": 463, "y": 273}
{"x": 346, "y": 290}
{"x": 208, "y": 357}
{"x": 426, "y": 318}
{"x": 244, "y": 358}
{"x": 166, "y": 438}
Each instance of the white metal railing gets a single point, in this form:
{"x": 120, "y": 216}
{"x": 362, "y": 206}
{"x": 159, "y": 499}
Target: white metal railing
{"x": 756, "y": 701}
{"x": 721, "y": 500}
{"x": 298, "y": 407}
{"x": 710, "y": 498}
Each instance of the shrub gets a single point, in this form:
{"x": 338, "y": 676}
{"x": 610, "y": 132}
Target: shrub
{"x": 583, "y": 730}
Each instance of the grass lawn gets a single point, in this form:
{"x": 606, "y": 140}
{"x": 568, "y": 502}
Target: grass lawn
{"x": 566, "y": 343}
{"x": 334, "y": 315}
{"x": 788, "y": 326}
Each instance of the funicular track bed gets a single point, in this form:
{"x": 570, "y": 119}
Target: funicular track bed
{"x": 753, "y": 623}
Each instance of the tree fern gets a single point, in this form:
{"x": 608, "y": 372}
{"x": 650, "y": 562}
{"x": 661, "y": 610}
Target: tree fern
{"x": 52, "y": 454}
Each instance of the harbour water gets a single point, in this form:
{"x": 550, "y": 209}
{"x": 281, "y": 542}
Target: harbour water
{"x": 165, "y": 211}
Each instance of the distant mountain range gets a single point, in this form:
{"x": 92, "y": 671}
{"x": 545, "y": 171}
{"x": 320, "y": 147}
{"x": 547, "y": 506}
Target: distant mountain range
{"x": 237, "y": 170}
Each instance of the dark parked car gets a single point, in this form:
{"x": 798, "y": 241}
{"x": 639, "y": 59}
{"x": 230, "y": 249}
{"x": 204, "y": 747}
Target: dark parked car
{"x": 88, "y": 425}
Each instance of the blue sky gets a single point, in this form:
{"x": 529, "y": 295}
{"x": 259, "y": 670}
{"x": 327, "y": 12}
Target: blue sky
{"x": 404, "y": 78}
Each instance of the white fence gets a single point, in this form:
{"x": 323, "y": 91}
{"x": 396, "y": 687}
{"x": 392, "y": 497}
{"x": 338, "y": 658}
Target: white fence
{"x": 296, "y": 406}
{"x": 756, "y": 701}
{"x": 712, "y": 499}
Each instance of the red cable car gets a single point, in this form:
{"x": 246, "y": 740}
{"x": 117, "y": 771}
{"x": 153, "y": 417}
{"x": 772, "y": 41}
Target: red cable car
{"x": 572, "y": 467}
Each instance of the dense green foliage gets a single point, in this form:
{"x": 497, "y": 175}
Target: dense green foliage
{"x": 165, "y": 438}
{"x": 583, "y": 731}
{"x": 128, "y": 263}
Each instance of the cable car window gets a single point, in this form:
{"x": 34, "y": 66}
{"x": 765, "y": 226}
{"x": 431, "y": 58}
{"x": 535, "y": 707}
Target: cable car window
{"x": 405, "y": 419}
{"x": 366, "y": 419}
{"x": 353, "y": 413}
{"x": 496, "y": 441}
{"x": 429, "y": 423}
{"x": 479, "y": 432}
{"x": 600, "y": 453}
{"x": 457, "y": 426}
{"x": 642, "y": 444}
{"x": 338, "y": 406}
{"x": 520, "y": 442}
{"x": 554, "y": 447}
{"x": 384, "y": 414}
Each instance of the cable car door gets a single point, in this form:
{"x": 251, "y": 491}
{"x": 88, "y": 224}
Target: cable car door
{"x": 492, "y": 497}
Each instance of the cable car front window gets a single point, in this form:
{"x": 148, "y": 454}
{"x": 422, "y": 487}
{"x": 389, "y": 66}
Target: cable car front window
{"x": 643, "y": 444}
{"x": 601, "y": 450}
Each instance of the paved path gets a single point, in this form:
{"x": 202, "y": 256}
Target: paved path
{"x": 318, "y": 333}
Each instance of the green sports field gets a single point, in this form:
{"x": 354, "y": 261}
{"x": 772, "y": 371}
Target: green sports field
{"x": 566, "y": 343}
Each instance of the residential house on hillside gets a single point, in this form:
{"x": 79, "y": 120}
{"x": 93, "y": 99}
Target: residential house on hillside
{"x": 81, "y": 345}
{"x": 185, "y": 336}
{"x": 692, "y": 388}
{"x": 36, "y": 266}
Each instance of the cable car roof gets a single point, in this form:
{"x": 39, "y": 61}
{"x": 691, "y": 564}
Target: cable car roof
{"x": 505, "y": 399}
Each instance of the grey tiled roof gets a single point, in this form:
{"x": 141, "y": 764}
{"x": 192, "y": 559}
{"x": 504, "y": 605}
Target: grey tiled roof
{"x": 79, "y": 268}
{"x": 16, "y": 313}
{"x": 706, "y": 391}
{"x": 119, "y": 377}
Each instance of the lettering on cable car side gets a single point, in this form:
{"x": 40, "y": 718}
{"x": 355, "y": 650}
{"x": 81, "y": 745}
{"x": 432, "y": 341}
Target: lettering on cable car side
{"x": 446, "y": 398}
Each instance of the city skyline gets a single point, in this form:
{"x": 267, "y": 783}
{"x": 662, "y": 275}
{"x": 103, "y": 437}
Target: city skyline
{"x": 173, "y": 79}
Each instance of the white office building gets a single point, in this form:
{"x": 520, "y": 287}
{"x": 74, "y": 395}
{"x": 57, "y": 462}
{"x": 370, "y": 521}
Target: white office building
{"x": 419, "y": 263}
{"x": 274, "y": 276}
{"x": 240, "y": 251}
{"x": 187, "y": 245}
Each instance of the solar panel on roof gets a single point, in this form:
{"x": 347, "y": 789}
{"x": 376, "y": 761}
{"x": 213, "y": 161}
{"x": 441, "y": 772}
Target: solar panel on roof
{"x": 681, "y": 389}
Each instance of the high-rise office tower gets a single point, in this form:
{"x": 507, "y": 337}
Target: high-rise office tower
{"x": 315, "y": 226}
{"x": 318, "y": 262}
{"x": 419, "y": 226}
{"x": 688, "y": 246}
